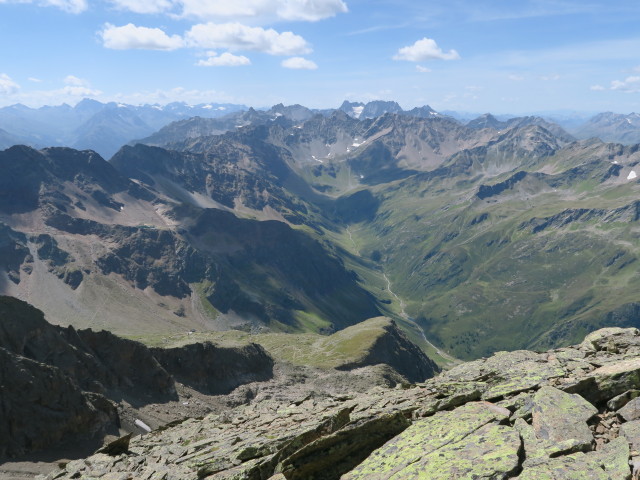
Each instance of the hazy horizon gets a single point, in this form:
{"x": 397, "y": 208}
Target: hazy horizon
{"x": 500, "y": 57}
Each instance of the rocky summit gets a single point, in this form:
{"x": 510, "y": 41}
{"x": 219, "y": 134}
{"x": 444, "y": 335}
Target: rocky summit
{"x": 568, "y": 413}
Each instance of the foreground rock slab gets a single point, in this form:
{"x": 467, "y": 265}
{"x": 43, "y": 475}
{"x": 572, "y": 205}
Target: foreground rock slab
{"x": 525, "y": 415}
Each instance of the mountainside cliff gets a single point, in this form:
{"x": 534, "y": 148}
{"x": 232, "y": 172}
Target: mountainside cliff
{"x": 81, "y": 384}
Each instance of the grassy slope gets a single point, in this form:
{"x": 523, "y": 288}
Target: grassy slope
{"x": 479, "y": 280}
{"x": 307, "y": 349}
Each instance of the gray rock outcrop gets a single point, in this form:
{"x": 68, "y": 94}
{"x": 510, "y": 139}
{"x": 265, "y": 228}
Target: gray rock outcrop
{"x": 522, "y": 415}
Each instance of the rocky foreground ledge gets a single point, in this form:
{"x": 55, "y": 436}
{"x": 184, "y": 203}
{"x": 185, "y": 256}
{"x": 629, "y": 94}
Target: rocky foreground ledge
{"x": 570, "y": 413}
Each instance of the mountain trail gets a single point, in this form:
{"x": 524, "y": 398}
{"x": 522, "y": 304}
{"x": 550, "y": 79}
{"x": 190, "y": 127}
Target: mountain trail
{"x": 445, "y": 356}
{"x": 355, "y": 247}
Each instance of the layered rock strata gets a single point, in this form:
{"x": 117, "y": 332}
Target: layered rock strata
{"x": 568, "y": 413}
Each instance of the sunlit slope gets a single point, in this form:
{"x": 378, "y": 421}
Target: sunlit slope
{"x": 516, "y": 250}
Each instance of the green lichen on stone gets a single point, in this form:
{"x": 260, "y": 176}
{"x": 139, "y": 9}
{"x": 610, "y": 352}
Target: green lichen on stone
{"x": 571, "y": 467}
{"x": 426, "y": 436}
{"x": 488, "y": 453}
{"x": 562, "y": 417}
{"x": 614, "y": 458}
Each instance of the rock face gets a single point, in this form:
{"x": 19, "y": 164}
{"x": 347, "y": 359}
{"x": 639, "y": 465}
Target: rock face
{"x": 41, "y": 406}
{"x": 60, "y": 384}
{"x": 83, "y": 384}
{"x": 525, "y": 415}
{"x": 215, "y": 370}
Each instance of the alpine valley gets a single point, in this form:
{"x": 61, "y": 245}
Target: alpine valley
{"x": 352, "y": 247}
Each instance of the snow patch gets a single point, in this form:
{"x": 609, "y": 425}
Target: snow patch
{"x": 356, "y": 145}
{"x": 357, "y": 111}
{"x": 632, "y": 175}
{"x": 207, "y": 107}
{"x": 615, "y": 162}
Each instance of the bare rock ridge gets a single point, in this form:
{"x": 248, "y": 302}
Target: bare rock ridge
{"x": 82, "y": 384}
{"x": 73, "y": 379}
{"x": 568, "y": 413}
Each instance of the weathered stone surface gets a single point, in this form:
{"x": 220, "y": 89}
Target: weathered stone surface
{"x": 213, "y": 369}
{"x": 40, "y": 406}
{"x": 508, "y": 373}
{"x": 621, "y": 400}
{"x": 488, "y": 453}
{"x": 333, "y": 455}
{"x": 561, "y": 417}
{"x": 631, "y": 411}
{"x": 540, "y": 450}
{"x": 614, "y": 458}
{"x": 425, "y": 437}
{"x": 616, "y": 378}
{"x": 578, "y": 466}
{"x": 612, "y": 340}
{"x": 631, "y": 431}
{"x": 436, "y": 430}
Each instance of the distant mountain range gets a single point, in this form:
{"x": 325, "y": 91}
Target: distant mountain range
{"x": 498, "y": 234}
{"x": 94, "y": 125}
{"x": 104, "y": 128}
{"x": 612, "y": 127}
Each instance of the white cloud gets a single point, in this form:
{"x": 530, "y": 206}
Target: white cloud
{"x": 422, "y": 69}
{"x": 549, "y": 78}
{"x": 306, "y": 10}
{"x": 515, "y": 78}
{"x": 225, "y": 60}
{"x": 310, "y": 10}
{"x": 34, "y": 79}
{"x": 131, "y": 36}
{"x": 628, "y": 85}
{"x": 74, "y": 81}
{"x": 425, "y": 49}
{"x": 597, "y": 88}
{"x": 76, "y": 91}
{"x": 299, "y": 63}
{"x": 71, "y": 6}
{"x": 235, "y": 36}
{"x": 8, "y": 86}
{"x": 177, "y": 94}
{"x": 474, "y": 88}
{"x": 143, "y": 6}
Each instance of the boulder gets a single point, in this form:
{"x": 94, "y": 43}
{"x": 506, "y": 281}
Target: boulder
{"x": 562, "y": 418}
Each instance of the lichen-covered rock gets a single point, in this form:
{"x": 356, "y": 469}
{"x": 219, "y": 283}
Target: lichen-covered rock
{"x": 614, "y": 458}
{"x": 561, "y": 417}
{"x": 631, "y": 411}
{"x": 612, "y": 339}
{"x": 577, "y": 466}
{"x": 425, "y": 437}
{"x": 488, "y": 453}
{"x": 508, "y": 373}
{"x": 631, "y": 431}
{"x": 621, "y": 400}
{"x": 553, "y": 418}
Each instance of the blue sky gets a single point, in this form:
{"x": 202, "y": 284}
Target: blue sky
{"x": 502, "y": 56}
